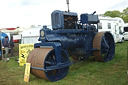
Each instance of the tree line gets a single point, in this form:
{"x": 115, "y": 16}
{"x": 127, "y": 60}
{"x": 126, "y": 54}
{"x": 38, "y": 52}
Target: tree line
{"x": 116, "y": 13}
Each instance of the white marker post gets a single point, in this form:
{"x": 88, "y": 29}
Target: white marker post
{"x": 27, "y": 72}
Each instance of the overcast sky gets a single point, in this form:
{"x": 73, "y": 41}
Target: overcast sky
{"x": 24, "y": 13}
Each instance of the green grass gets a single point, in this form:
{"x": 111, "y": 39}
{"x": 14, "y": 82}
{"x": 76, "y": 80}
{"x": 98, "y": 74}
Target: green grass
{"x": 87, "y": 72}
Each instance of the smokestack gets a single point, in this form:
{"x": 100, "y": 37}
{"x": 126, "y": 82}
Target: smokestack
{"x": 68, "y": 5}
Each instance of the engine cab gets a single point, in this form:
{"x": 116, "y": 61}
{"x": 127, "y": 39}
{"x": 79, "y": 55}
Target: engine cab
{"x": 69, "y": 20}
{"x": 64, "y": 20}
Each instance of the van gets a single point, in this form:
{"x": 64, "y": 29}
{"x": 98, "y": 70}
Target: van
{"x": 113, "y": 25}
{"x": 126, "y": 31}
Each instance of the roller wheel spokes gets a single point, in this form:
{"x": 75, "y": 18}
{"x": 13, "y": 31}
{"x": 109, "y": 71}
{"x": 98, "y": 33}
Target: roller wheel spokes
{"x": 57, "y": 74}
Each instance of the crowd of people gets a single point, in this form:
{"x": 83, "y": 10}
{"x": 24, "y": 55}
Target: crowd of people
{"x": 8, "y": 44}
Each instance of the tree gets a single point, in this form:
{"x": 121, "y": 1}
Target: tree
{"x": 125, "y": 18}
{"x": 125, "y": 11}
{"x": 125, "y": 15}
{"x": 114, "y": 13}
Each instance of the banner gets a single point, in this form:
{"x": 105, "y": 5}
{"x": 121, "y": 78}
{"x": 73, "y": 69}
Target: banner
{"x": 24, "y": 50}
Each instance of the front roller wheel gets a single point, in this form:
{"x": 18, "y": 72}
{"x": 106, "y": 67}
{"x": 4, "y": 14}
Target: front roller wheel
{"x": 45, "y": 57}
{"x": 105, "y": 45}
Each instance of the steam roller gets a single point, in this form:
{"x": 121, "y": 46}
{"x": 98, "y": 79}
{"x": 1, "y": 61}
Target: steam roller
{"x": 69, "y": 37}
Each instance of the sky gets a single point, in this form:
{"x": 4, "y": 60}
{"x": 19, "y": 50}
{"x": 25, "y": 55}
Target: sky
{"x": 24, "y": 13}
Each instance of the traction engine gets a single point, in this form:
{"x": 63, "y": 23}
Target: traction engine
{"x": 69, "y": 37}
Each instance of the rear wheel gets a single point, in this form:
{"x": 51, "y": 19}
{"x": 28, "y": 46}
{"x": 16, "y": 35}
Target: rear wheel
{"x": 105, "y": 45}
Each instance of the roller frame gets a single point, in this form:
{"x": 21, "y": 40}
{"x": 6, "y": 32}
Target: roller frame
{"x": 58, "y": 66}
{"x": 58, "y": 48}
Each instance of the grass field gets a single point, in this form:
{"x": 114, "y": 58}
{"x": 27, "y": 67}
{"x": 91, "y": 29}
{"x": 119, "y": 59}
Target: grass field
{"x": 87, "y": 72}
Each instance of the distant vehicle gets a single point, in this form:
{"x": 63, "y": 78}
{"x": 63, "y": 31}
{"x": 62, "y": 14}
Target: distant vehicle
{"x": 126, "y": 31}
{"x": 113, "y": 25}
{"x": 30, "y": 36}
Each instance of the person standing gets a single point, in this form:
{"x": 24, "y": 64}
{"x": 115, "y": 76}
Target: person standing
{"x": 12, "y": 46}
{"x": 6, "y": 46}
